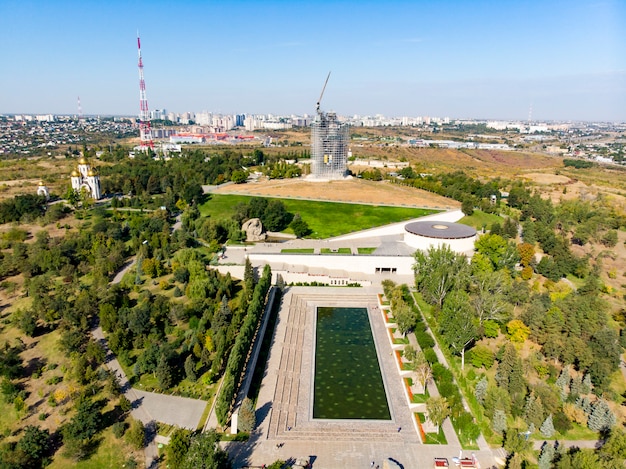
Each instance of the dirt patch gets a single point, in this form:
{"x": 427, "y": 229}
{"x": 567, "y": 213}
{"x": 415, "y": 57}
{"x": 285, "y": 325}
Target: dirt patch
{"x": 546, "y": 178}
{"x": 349, "y": 190}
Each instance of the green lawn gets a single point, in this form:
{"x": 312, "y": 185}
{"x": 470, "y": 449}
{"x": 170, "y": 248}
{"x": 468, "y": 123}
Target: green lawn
{"x": 336, "y": 251}
{"x": 325, "y": 219}
{"x": 366, "y": 250}
{"x": 436, "y": 438}
{"x": 298, "y": 251}
{"x": 479, "y": 219}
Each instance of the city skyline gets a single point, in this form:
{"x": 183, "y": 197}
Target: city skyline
{"x": 552, "y": 61}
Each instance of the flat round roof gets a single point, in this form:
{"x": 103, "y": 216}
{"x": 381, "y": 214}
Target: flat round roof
{"x": 440, "y": 229}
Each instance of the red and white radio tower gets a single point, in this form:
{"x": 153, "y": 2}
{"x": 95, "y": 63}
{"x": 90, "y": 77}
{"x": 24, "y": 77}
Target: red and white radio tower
{"x": 145, "y": 133}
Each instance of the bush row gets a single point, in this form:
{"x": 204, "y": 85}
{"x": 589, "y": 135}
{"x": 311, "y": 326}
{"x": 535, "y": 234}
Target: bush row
{"x": 239, "y": 352}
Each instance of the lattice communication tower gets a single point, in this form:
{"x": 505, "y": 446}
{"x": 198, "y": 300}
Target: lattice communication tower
{"x": 329, "y": 144}
{"x": 80, "y": 111}
{"x": 145, "y": 132}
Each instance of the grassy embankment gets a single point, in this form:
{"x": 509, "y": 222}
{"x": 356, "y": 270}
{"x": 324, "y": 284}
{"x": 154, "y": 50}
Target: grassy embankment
{"x": 325, "y": 219}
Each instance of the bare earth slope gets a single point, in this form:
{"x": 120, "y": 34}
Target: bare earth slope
{"x": 349, "y": 190}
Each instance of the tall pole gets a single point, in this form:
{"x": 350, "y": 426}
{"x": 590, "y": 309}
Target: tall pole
{"x": 145, "y": 133}
{"x": 80, "y": 111}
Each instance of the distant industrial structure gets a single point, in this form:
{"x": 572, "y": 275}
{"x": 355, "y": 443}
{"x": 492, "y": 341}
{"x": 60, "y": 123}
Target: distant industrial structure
{"x": 329, "y": 144}
{"x": 145, "y": 132}
{"x": 86, "y": 178}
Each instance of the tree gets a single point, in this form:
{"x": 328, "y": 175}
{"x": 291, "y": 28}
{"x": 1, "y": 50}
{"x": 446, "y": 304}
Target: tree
{"x": 438, "y": 410}
{"x": 610, "y": 238}
{"x": 467, "y": 206}
{"x": 34, "y": 445}
{"x": 488, "y": 298}
{"x": 299, "y": 226}
{"x": 164, "y": 372}
{"x": 457, "y": 326}
{"x": 526, "y": 252}
{"x": 515, "y": 441}
{"x": 205, "y": 453}
{"x": 405, "y": 317}
{"x": 510, "y": 374}
{"x": 26, "y": 320}
{"x": 481, "y": 356}
{"x": 480, "y": 391}
{"x": 249, "y": 278}
{"x": 275, "y": 217}
{"x": 178, "y": 447}
{"x": 239, "y": 176}
{"x": 247, "y": 417}
{"x": 546, "y": 456}
{"x": 192, "y": 192}
{"x": 615, "y": 445}
{"x": 78, "y": 433}
{"x": 136, "y": 434}
{"x": 517, "y": 331}
{"x": 516, "y": 461}
{"x": 533, "y": 412}
{"x": 547, "y": 427}
{"x": 420, "y": 367}
{"x": 438, "y": 272}
{"x": 72, "y": 196}
{"x": 190, "y": 369}
{"x": 601, "y": 418}
{"x": 501, "y": 253}
{"x": 498, "y": 422}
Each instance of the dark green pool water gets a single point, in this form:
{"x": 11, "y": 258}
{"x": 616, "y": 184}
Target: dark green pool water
{"x": 348, "y": 381}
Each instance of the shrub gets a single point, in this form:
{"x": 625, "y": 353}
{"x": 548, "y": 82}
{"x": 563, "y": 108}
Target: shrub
{"x": 430, "y": 355}
{"x": 441, "y": 373}
{"x": 527, "y": 273}
{"x": 481, "y": 356}
{"x": 491, "y": 329}
{"x": 424, "y": 339}
{"x": 562, "y": 423}
{"x": 136, "y": 434}
{"x": 125, "y": 404}
{"x": 119, "y": 428}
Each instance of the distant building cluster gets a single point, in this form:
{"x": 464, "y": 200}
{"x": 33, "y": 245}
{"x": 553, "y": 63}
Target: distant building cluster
{"x": 23, "y": 133}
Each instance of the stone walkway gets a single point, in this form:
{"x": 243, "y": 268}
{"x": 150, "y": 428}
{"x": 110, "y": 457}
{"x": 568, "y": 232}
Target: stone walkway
{"x": 285, "y": 427}
{"x": 151, "y": 407}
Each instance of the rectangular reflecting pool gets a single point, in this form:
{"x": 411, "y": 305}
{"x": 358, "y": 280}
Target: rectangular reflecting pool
{"x": 348, "y": 382}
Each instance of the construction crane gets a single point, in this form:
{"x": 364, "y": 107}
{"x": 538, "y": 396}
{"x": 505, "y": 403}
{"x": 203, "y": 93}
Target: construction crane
{"x": 322, "y": 94}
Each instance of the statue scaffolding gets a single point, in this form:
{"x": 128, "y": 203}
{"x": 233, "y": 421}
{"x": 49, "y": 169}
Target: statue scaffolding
{"x": 329, "y": 144}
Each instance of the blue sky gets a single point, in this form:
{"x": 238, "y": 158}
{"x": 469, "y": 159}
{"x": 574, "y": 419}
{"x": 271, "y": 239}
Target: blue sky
{"x": 462, "y": 59}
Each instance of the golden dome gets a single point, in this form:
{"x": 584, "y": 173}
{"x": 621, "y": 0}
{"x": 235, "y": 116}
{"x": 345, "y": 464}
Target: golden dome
{"x": 75, "y": 174}
{"x": 91, "y": 172}
{"x": 41, "y": 183}
{"x": 82, "y": 160}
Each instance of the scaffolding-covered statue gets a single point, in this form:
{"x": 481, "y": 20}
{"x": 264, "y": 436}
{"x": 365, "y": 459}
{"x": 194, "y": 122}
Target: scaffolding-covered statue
{"x": 329, "y": 145}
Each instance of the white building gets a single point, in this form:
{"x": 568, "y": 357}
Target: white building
{"x": 42, "y": 189}
{"x": 86, "y": 178}
{"x": 392, "y": 257}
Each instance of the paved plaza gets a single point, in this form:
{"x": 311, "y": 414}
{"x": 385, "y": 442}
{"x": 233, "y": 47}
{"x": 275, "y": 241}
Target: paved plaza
{"x": 285, "y": 427}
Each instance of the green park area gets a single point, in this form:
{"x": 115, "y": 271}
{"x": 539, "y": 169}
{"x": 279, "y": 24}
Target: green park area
{"x": 325, "y": 219}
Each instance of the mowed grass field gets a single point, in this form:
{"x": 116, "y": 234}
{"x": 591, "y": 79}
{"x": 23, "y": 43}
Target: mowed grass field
{"x": 325, "y": 219}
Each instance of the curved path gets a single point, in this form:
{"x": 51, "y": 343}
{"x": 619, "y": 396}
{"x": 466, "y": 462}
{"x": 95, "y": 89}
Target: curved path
{"x": 151, "y": 407}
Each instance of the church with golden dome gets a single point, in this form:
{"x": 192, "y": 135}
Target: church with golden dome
{"x": 85, "y": 177}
